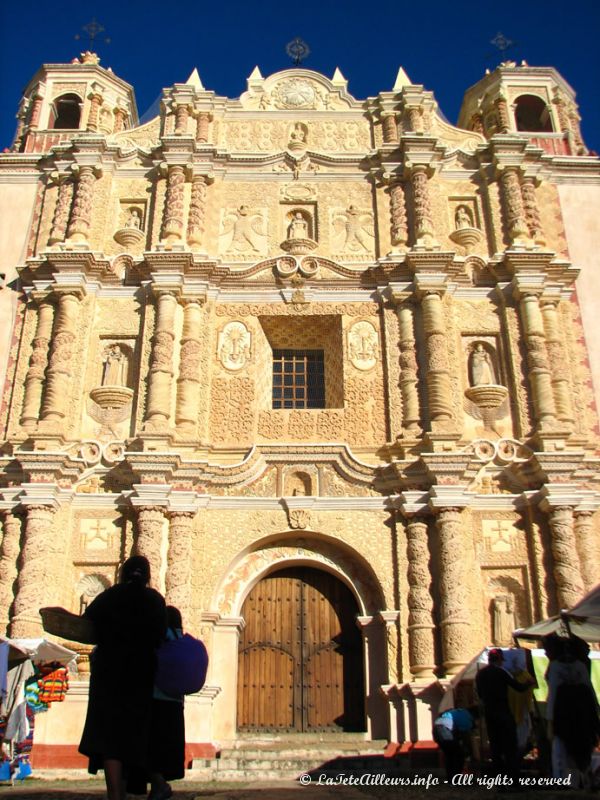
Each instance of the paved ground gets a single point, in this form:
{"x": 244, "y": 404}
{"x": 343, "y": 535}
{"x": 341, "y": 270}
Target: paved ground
{"x": 187, "y": 790}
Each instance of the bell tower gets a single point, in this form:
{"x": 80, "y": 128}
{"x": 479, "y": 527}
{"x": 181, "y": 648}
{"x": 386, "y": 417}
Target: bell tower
{"x": 535, "y": 102}
{"x": 64, "y": 99}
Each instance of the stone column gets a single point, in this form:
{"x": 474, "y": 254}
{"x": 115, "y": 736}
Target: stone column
{"x": 567, "y": 570}
{"x": 179, "y": 562}
{"x": 34, "y": 380}
{"x": 202, "y": 122}
{"x": 188, "y": 382}
{"x": 148, "y": 541}
{"x": 411, "y": 414}
{"x": 586, "y": 538}
{"x": 9, "y": 553}
{"x": 61, "y": 210}
{"x": 81, "y": 211}
{"x": 422, "y": 203}
{"x": 502, "y": 114}
{"x": 33, "y": 575}
{"x": 120, "y": 116}
{"x": 36, "y": 110}
{"x": 438, "y": 371}
{"x": 390, "y": 620}
{"x": 532, "y": 212}
{"x": 172, "y": 229}
{"x": 512, "y": 200}
{"x": 399, "y": 228}
{"x": 58, "y": 375}
{"x": 158, "y": 408}
{"x": 182, "y": 115}
{"x": 454, "y": 615}
{"x": 558, "y": 363}
{"x": 537, "y": 361}
{"x": 95, "y": 103}
{"x": 389, "y": 128}
{"x": 420, "y": 603}
{"x": 197, "y": 212}
{"x": 415, "y": 118}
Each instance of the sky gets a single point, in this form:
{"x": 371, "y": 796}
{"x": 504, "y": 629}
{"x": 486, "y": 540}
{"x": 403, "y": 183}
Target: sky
{"x": 442, "y": 44}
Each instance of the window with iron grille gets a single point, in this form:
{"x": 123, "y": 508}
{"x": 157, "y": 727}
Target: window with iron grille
{"x": 298, "y": 379}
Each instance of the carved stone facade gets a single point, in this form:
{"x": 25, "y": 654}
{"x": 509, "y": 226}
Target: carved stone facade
{"x": 299, "y": 329}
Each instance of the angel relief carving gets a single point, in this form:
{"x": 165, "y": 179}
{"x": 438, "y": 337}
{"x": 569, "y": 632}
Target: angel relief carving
{"x": 353, "y": 231}
{"x": 244, "y": 231}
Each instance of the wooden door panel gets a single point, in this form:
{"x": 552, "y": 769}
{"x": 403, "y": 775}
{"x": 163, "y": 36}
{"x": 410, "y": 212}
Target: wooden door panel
{"x": 300, "y": 661}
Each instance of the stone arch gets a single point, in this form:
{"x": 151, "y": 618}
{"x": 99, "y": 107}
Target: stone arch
{"x": 309, "y": 550}
{"x": 66, "y": 112}
{"x": 532, "y": 114}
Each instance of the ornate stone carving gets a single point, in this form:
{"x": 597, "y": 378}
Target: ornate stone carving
{"x": 503, "y": 619}
{"x": 60, "y": 367}
{"x": 399, "y": 229}
{"x": 411, "y": 414}
{"x": 532, "y": 212}
{"x": 81, "y": 210}
{"x": 182, "y": 115}
{"x": 202, "y": 122}
{"x": 419, "y": 601}
{"x": 197, "y": 212}
{"x": 148, "y": 542}
{"x": 559, "y": 368}
{"x": 389, "y": 127}
{"x": 61, "y": 211}
{"x": 32, "y": 582}
{"x": 172, "y": 228}
{"x": 438, "y": 377}
{"x": 422, "y": 205}
{"x": 234, "y": 346}
{"x": 588, "y": 548}
{"x": 567, "y": 570}
{"x": 161, "y": 363}
{"x": 295, "y": 93}
{"x": 9, "y": 554}
{"x": 539, "y": 370}
{"x": 37, "y": 365}
{"x": 363, "y": 345}
{"x": 179, "y": 561}
{"x": 243, "y": 231}
{"x": 485, "y": 398}
{"x": 454, "y": 615}
{"x": 352, "y": 231}
{"x": 188, "y": 382}
{"x": 516, "y": 224}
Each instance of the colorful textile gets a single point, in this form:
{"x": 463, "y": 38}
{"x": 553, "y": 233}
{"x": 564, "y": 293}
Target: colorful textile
{"x": 53, "y": 685}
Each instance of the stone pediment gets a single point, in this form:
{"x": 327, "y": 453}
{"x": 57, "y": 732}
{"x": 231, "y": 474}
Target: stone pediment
{"x": 298, "y": 90}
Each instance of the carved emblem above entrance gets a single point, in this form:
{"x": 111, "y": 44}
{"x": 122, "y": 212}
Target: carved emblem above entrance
{"x": 234, "y": 346}
{"x": 294, "y": 93}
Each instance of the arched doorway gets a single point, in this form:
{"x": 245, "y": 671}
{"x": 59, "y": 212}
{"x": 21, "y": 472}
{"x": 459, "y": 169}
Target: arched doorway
{"x": 300, "y": 664}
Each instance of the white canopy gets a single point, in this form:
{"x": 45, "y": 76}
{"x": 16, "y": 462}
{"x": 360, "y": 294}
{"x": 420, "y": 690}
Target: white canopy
{"x": 582, "y": 620}
{"x": 38, "y": 650}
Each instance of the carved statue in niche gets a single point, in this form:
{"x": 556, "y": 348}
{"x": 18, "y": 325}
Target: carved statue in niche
{"x": 482, "y": 370}
{"x": 354, "y": 229}
{"x": 463, "y": 218}
{"x": 245, "y": 226}
{"x": 134, "y": 218}
{"x": 114, "y": 369}
{"x": 503, "y": 619}
{"x": 234, "y": 346}
{"x": 298, "y": 227}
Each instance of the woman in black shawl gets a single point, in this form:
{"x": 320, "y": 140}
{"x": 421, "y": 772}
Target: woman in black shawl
{"x": 130, "y": 623}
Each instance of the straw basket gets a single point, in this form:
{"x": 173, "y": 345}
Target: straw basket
{"x": 61, "y": 622}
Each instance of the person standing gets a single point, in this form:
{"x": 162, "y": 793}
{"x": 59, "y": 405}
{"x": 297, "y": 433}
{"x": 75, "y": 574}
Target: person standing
{"x": 130, "y": 622}
{"x": 451, "y": 733}
{"x": 492, "y": 683}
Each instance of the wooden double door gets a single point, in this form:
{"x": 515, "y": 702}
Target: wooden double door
{"x": 300, "y": 655}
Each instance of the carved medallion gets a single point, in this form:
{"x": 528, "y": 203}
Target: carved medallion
{"x": 363, "y": 345}
{"x": 234, "y": 346}
{"x": 294, "y": 93}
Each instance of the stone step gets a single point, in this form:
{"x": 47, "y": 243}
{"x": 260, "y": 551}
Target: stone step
{"x": 300, "y": 752}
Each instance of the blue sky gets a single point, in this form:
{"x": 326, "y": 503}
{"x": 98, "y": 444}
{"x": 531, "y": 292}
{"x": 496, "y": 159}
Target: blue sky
{"x": 443, "y": 44}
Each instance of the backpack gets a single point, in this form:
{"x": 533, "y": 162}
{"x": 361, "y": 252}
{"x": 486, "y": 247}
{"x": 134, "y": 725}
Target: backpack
{"x": 181, "y": 666}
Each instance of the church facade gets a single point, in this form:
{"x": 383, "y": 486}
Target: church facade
{"x": 328, "y": 363}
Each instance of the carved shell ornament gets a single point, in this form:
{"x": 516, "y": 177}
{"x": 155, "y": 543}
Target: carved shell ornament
{"x": 294, "y": 93}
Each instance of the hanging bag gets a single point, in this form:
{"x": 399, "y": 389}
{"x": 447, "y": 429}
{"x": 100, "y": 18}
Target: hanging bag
{"x": 182, "y": 665}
